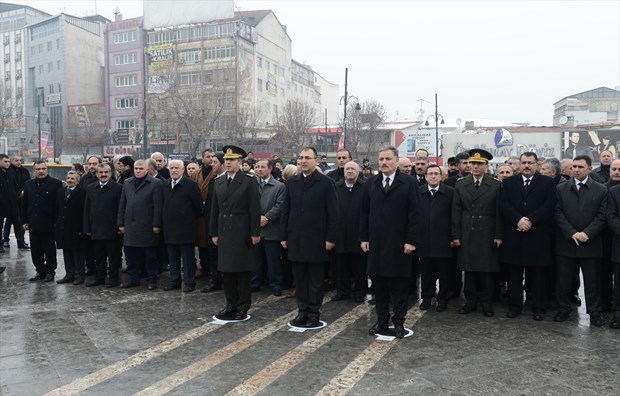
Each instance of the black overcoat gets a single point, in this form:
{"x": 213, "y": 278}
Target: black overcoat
{"x": 434, "y": 222}
{"x": 181, "y": 209}
{"x": 580, "y": 211}
{"x": 349, "y": 214}
{"x": 309, "y": 217}
{"x": 39, "y": 204}
{"x": 476, "y": 222}
{"x": 613, "y": 220}
{"x": 100, "y": 209}
{"x": 70, "y": 219}
{"x": 139, "y": 212}
{"x": 235, "y": 218}
{"x": 388, "y": 222}
{"x": 532, "y": 248}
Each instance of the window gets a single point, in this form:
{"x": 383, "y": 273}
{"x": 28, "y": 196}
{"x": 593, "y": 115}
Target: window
{"x": 126, "y": 81}
{"x": 50, "y": 67}
{"x": 33, "y": 50}
{"x": 57, "y": 65}
{"x": 260, "y": 84}
{"x": 59, "y": 87}
{"x": 267, "y": 65}
{"x": 190, "y": 79}
{"x": 57, "y": 43}
{"x": 225, "y": 51}
{"x": 125, "y": 124}
{"x": 275, "y": 109}
{"x": 51, "y": 88}
{"x": 126, "y": 103}
{"x": 259, "y": 62}
{"x": 282, "y": 71}
{"x": 282, "y": 92}
{"x": 124, "y": 59}
{"x": 125, "y": 37}
{"x": 40, "y": 69}
{"x": 189, "y": 57}
{"x": 49, "y": 45}
{"x": 40, "y": 49}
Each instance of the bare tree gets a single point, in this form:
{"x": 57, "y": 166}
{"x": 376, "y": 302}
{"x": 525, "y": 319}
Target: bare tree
{"x": 84, "y": 140}
{"x": 293, "y": 122}
{"x": 9, "y": 108}
{"x": 364, "y": 138}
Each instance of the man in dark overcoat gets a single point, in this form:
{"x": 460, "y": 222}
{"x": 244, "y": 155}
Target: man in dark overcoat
{"x": 477, "y": 229}
{"x": 19, "y": 175}
{"x": 235, "y": 229}
{"x": 527, "y": 205}
{"x": 139, "y": 220}
{"x": 86, "y": 180}
{"x": 69, "y": 227}
{"x": 100, "y": 210}
{"x": 580, "y": 219}
{"x": 182, "y": 205}
{"x": 388, "y": 234}
{"x": 350, "y": 260}
{"x": 309, "y": 231}
{"x": 613, "y": 219}
{"x": 434, "y": 229}
{"x": 39, "y": 215}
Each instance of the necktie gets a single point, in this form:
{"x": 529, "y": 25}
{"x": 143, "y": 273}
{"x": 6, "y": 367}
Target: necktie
{"x": 433, "y": 191}
{"x": 228, "y": 181}
{"x": 477, "y": 184}
{"x": 387, "y": 184}
{"x": 174, "y": 183}
{"x": 262, "y": 184}
{"x": 579, "y": 185}
{"x": 527, "y": 185}
{"x": 67, "y": 193}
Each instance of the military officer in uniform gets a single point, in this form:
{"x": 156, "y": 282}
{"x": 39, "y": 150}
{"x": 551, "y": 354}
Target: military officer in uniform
{"x": 235, "y": 229}
{"x": 477, "y": 229}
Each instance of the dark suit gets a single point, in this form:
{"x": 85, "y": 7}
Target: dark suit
{"x": 580, "y": 211}
{"x": 613, "y": 220}
{"x": 69, "y": 229}
{"x": 16, "y": 176}
{"x": 387, "y": 223}
{"x": 528, "y": 251}
{"x": 309, "y": 220}
{"x": 350, "y": 260}
{"x": 39, "y": 212}
{"x": 434, "y": 223}
{"x": 100, "y": 209}
{"x": 235, "y": 219}
{"x": 476, "y": 222}
{"x": 182, "y": 205}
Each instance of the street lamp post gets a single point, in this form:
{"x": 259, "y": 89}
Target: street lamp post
{"x": 346, "y": 98}
{"x": 39, "y": 97}
{"x": 436, "y": 116}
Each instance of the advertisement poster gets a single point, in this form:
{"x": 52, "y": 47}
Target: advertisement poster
{"x": 590, "y": 143}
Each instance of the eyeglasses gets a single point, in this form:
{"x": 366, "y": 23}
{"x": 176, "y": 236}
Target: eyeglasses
{"x": 305, "y": 158}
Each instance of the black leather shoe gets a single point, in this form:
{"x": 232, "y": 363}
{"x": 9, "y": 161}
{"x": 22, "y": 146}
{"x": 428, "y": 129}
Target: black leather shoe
{"x": 312, "y": 323}
{"x": 78, "y": 281}
{"x": 2, "y": 269}
{"x": 95, "y": 282}
{"x": 128, "y": 285}
{"x": 277, "y": 293}
{"x": 211, "y": 287}
{"x": 465, "y": 309}
{"x": 441, "y": 307}
{"x": 299, "y": 321}
{"x": 615, "y": 321}
{"x": 512, "y": 314}
{"x": 152, "y": 286}
{"x": 90, "y": 272}
{"x": 488, "y": 312}
{"x": 255, "y": 289}
{"x": 226, "y": 314}
{"x": 23, "y": 247}
{"x": 189, "y": 288}
{"x": 66, "y": 279}
{"x": 596, "y": 319}
{"x": 340, "y": 297}
{"x": 561, "y": 316}
{"x": 171, "y": 287}
{"x": 37, "y": 277}
{"x": 111, "y": 285}
{"x": 372, "y": 300}
{"x": 425, "y": 304}
{"x": 575, "y": 299}
{"x": 49, "y": 278}
{"x": 539, "y": 316}
{"x": 399, "y": 331}
{"x": 378, "y": 327}
{"x": 6, "y": 244}
{"x": 241, "y": 315}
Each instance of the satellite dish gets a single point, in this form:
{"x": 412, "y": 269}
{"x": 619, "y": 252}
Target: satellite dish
{"x": 563, "y": 120}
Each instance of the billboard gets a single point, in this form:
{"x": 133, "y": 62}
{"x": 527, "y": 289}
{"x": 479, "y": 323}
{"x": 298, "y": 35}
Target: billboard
{"x": 166, "y": 13}
{"x": 590, "y": 143}
{"x": 87, "y": 115}
{"x": 159, "y": 56}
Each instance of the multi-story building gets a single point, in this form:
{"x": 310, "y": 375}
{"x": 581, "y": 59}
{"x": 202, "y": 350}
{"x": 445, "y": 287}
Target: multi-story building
{"x": 64, "y": 73}
{"x": 595, "y": 106}
{"x": 13, "y": 116}
{"x": 124, "y": 84}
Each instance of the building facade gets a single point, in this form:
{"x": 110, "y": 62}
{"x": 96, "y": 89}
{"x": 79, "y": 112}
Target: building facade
{"x": 595, "y": 106}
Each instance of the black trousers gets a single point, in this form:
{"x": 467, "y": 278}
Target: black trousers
{"x": 309, "y": 284}
{"x": 479, "y": 288}
{"x": 616, "y": 304}
{"x": 415, "y": 273}
{"x": 591, "y": 269}
{"x": 74, "y": 262}
{"x": 433, "y": 268}
{"x": 108, "y": 255}
{"x": 394, "y": 290}
{"x": 89, "y": 255}
{"x": 12, "y": 219}
{"x": 43, "y": 252}
{"x": 237, "y": 290}
{"x": 351, "y": 265}
{"x": 536, "y": 278}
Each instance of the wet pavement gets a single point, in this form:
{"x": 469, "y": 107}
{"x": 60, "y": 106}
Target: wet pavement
{"x": 65, "y": 340}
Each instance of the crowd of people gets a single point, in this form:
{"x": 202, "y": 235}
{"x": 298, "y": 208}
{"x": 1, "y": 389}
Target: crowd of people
{"x": 528, "y": 229}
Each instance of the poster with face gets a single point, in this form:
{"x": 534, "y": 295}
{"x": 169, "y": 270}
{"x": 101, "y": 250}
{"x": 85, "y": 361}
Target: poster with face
{"x": 591, "y": 143}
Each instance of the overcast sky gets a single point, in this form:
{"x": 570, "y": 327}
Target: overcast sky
{"x": 502, "y": 60}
